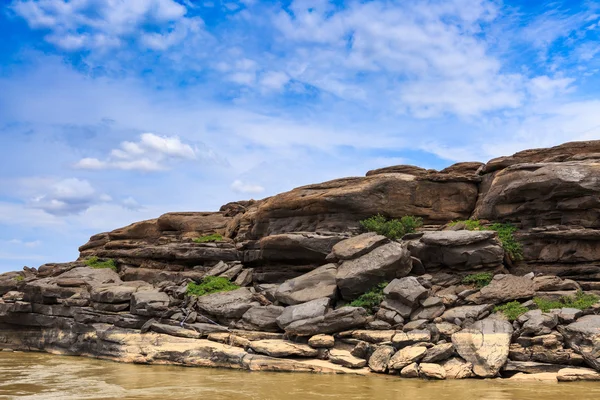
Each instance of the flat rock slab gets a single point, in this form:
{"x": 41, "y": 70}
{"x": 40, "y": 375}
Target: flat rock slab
{"x": 344, "y": 358}
{"x": 407, "y": 356}
{"x": 358, "y": 245}
{"x": 227, "y": 305}
{"x": 339, "y": 320}
{"x": 406, "y": 290}
{"x": 282, "y": 348}
{"x": 577, "y": 374}
{"x": 464, "y": 312}
{"x": 504, "y": 288}
{"x": 310, "y": 309}
{"x": 316, "y": 284}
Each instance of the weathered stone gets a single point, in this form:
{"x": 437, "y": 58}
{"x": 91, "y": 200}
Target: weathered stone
{"x": 504, "y": 288}
{"x": 378, "y": 362}
{"x": 111, "y": 307}
{"x": 439, "y": 353}
{"x": 322, "y": 342}
{"x": 531, "y": 367}
{"x": 282, "y": 348}
{"x": 568, "y": 315}
{"x": 410, "y": 371}
{"x": 227, "y": 305}
{"x": 457, "y": 368}
{"x": 429, "y": 313}
{"x": 412, "y": 337}
{"x": 343, "y": 357}
{"x": 416, "y": 324}
{"x": 149, "y": 303}
{"x": 485, "y": 344}
{"x": 535, "y": 323}
{"x": 466, "y": 312}
{"x": 362, "y": 350}
{"x": 389, "y": 261}
{"x": 311, "y": 286}
{"x": 554, "y": 283}
{"x": 378, "y": 325}
{"x": 390, "y": 316}
{"x": 583, "y": 336}
{"x": 446, "y": 329}
{"x": 577, "y": 374}
{"x": 308, "y": 310}
{"x": 398, "y": 307}
{"x": 335, "y": 321}
{"x": 298, "y": 246}
{"x": 230, "y": 339}
{"x": 175, "y": 331}
{"x": 358, "y": 246}
{"x": 263, "y": 318}
{"x": 406, "y": 356}
{"x": 220, "y": 268}
{"x": 373, "y": 336}
{"x": 244, "y": 278}
{"x": 432, "y": 371}
{"x": 232, "y": 272}
{"x": 406, "y": 290}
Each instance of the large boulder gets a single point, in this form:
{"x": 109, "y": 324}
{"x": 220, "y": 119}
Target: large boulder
{"x": 149, "y": 303}
{"x": 407, "y": 290}
{"x": 282, "y": 348}
{"x": 312, "y": 309}
{"x": 316, "y": 284}
{"x": 504, "y": 288}
{"x": 227, "y": 306}
{"x": 357, "y": 246}
{"x": 263, "y": 318}
{"x": 583, "y": 336}
{"x": 335, "y": 321}
{"x": 379, "y": 360}
{"x": 355, "y": 277}
{"x": 485, "y": 344}
{"x": 298, "y": 246}
{"x": 458, "y": 250}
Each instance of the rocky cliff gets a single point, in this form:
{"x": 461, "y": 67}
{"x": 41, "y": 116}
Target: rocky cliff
{"x": 299, "y": 258}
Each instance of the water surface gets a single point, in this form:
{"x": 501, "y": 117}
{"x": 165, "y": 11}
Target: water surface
{"x": 42, "y": 376}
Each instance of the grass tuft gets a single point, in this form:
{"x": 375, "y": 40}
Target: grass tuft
{"x": 479, "y": 280}
{"x": 215, "y": 237}
{"x": 19, "y": 278}
{"x": 580, "y": 301}
{"x": 392, "y": 228}
{"x": 371, "y": 299}
{"x": 94, "y": 262}
{"x": 512, "y": 310}
{"x": 505, "y": 234}
{"x": 210, "y": 285}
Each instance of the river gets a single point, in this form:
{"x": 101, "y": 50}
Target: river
{"x": 42, "y": 376}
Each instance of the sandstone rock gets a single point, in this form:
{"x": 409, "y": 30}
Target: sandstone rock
{"x": 378, "y": 325}
{"x": 401, "y": 309}
{"x": 406, "y": 290}
{"x": 412, "y": 337}
{"x": 232, "y": 272}
{"x": 229, "y": 339}
{"x": 428, "y": 313}
{"x": 568, "y": 315}
{"x": 458, "y": 250}
{"x": 537, "y": 323}
{"x": 439, "y": 353}
{"x": 343, "y": 357}
{"x": 282, "y": 348}
{"x": 466, "y": 312}
{"x": 485, "y": 344}
{"x": 244, "y": 278}
{"x": 308, "y": 310}
{"x": 149, "y": 303}
{"x": 390, "y": 316}
{"x": 175, "y": 331}
{"x": 358, "y": 246}
{"x": 378, "y": 362}
{"x": 577, "y": 374}
{"x": 363, "y": 350}
{"x": 304, "y": 246}
{"x": 227, "y": 305}
{"x": 432, "y": 371}
{"x": 389, "y": 261}
{"x": 406, "y": 356}
{"x": 322, "y": 342}
{"x": 335, "y": 321}
{"x": 410, "y": 371}
{"x": 374, "y": 336}
{"x": 583, "y": 336}
{"x": 416, "y": 324}
{"x": 446, "y": 329}
{"x": 457, "y": 368}
{"x": 531, "y": 367}
{"x": 263, "y": 318}
{"x": 311, "y": 286}
{"x": 220, "y": 268}
{"x": 554, "y": 283}
{"x": 504, "y": 288}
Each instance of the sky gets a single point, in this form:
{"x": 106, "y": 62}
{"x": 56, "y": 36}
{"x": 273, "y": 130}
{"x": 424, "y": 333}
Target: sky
{"x": 115, "y": 111}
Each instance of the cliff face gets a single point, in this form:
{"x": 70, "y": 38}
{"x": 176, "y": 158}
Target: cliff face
{"x": 298, "y": 260}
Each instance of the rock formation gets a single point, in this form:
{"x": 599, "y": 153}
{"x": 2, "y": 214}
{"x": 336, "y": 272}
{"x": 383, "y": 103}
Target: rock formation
{"x": 299, "y": 259}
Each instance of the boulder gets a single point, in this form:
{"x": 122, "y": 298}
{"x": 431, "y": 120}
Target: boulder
{"x": 567, "y": 315}
{"x": 263, "y": 318}
{"x": 244, "y": 278}
{"x": 358, "y": 246}
{"x": 457, "y": 368}
{"x": 536, "y": 323}
{"x": 389, "y": 261}
{"x": 485, "y": 344}
{"x": 432, "y": 371}
{"x": 531, "y": 367}
{"x": 410, "y": 371}
{"x": 283, "y": 348}
{"x": 175, "y": 331}
{"x": 149, "y": 303}
{"x": 583, "y": 336}
{"x": 577, "y": 374}
{"x": 458, "y": 250}
{"x": 298, "y": 246}
{"x": 335, "y": 321}
{"x": 466, "y": 312}
{"x": 554, "y": 283}
{"x": 374, "y": 336}
{"x": 378, "y": 362}
{"x": 321, "y": 342}
{"x": 345, "y": 359}
{"x": 227, "y": 306}
{"x": 407, "y": 290}
{"x": 439, "y": 353}
{"x": 400, "y": 309}
{"x": 406, "y": 356}
{"x": 316, "y": 284}
{"x": 504, "y": 288}
{"x": 312, "y": 309}
{"x": 412, "y": 337}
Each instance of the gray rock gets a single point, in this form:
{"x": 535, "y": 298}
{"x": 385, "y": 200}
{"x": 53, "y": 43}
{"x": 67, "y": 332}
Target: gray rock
{"x": 398, "y": 307}
{"x": 316, "y": 284}
{"x": 407, "y": 290}
{"x": 263, "y": 318}
{"x": 429, "y": 313}
{"x": 358, "y": 245}
{"x": 355, "y": 277}
{"x": 345, "y": 359}
{"x": 232, "y": 272}
{"x": 378, "y": 362}
{"x": 321, "y": 342}
{"x": 389, "y": 316}
{"x": 485, "y": 344}
{"x": 112, "y": 293}
{"x": 504, "y": 288}
{"x": 410, "y": 371}
{"x": 149, "y": 303}
{"x": 416, "y": 324}
{"x": 245, "y": 277}
{"x": 568, "y": 315}
{"x": 174, "y": 331}
{"x": 554, "y": 283}
{"x": 227, "y": 306}
{"x": 282, "y": 348}
{"x": 439, "y": 353}
{"x": 536, "y": 323}
{"x": 457, "y": 368}
{"x": 335, "y": 321}
{"x": 466, "y": 312}
{"x": 220, "y": 268}
{"x": 583, "y": 336}
{"x": 531, "y": 367}
{"x": 432, "y": 371}
{"x": 412, "y": 337}
{"x": 308, "y": 310}
{"x": 362, "y": 350}
{"x": 406, "y": 356}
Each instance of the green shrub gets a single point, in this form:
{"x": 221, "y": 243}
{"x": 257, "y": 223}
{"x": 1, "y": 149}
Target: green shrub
{"x": 505, "y": 234}
{"x": 209, "y": 285}
{"x": 215, "y": 237}
{"x": 479, "y": 280}
{"x": 392, "y": 228}
{"x": 94, "y": 262}
{"x": 580, "y": 301}
{"x": 371, "y": 299}
{"x": 19, "y": 278}
{"x": 512, "y": 310}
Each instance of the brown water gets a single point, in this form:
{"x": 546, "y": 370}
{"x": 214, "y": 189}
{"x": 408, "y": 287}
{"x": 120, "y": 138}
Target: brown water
{"x": 41, "y": 376}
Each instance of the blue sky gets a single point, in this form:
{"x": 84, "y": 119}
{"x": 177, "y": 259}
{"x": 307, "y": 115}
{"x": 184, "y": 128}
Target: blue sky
{"x": 113, "y": 111}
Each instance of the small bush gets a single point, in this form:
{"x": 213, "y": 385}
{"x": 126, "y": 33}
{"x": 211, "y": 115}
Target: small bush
{"x": 94, "y": 262}
{"x": 371, "y": 299}
{"x": 580, "y": 301}
{"x": 470, "y": 224}
{"x": 215, "y": 237}
{"x": 479, "y": 280}
{"x": 209, "y": 285}
{"x": 19, "y": 278}
{"x": 392, "y": 228}
{"x": 512, "y": 310}
{"x": 505, "y": 234}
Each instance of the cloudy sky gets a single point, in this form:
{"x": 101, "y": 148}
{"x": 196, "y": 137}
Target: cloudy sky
{"x": 113, "y": 111}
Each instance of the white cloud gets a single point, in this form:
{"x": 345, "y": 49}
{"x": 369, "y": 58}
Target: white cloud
{"x": 19, "y": 242}
{"x": 67, "y": 196}
{"x": 242, "y": 187}
{"x": 150, "y": 153}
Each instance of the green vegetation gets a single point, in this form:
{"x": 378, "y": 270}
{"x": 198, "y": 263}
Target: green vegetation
{"x": 209, "y": 285}
{"x": 479, "y": 280}
{"x": 94, "y": 262}
{"x": 580, "y": 301}
{"x": 19, "y": 278}
{"x": 392, "y": 228}
{"x": 512, "y": 310}
{"x": 371, "y": 299}
{"x": 505, "y": 234}
{"x": 215, "y": 237}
